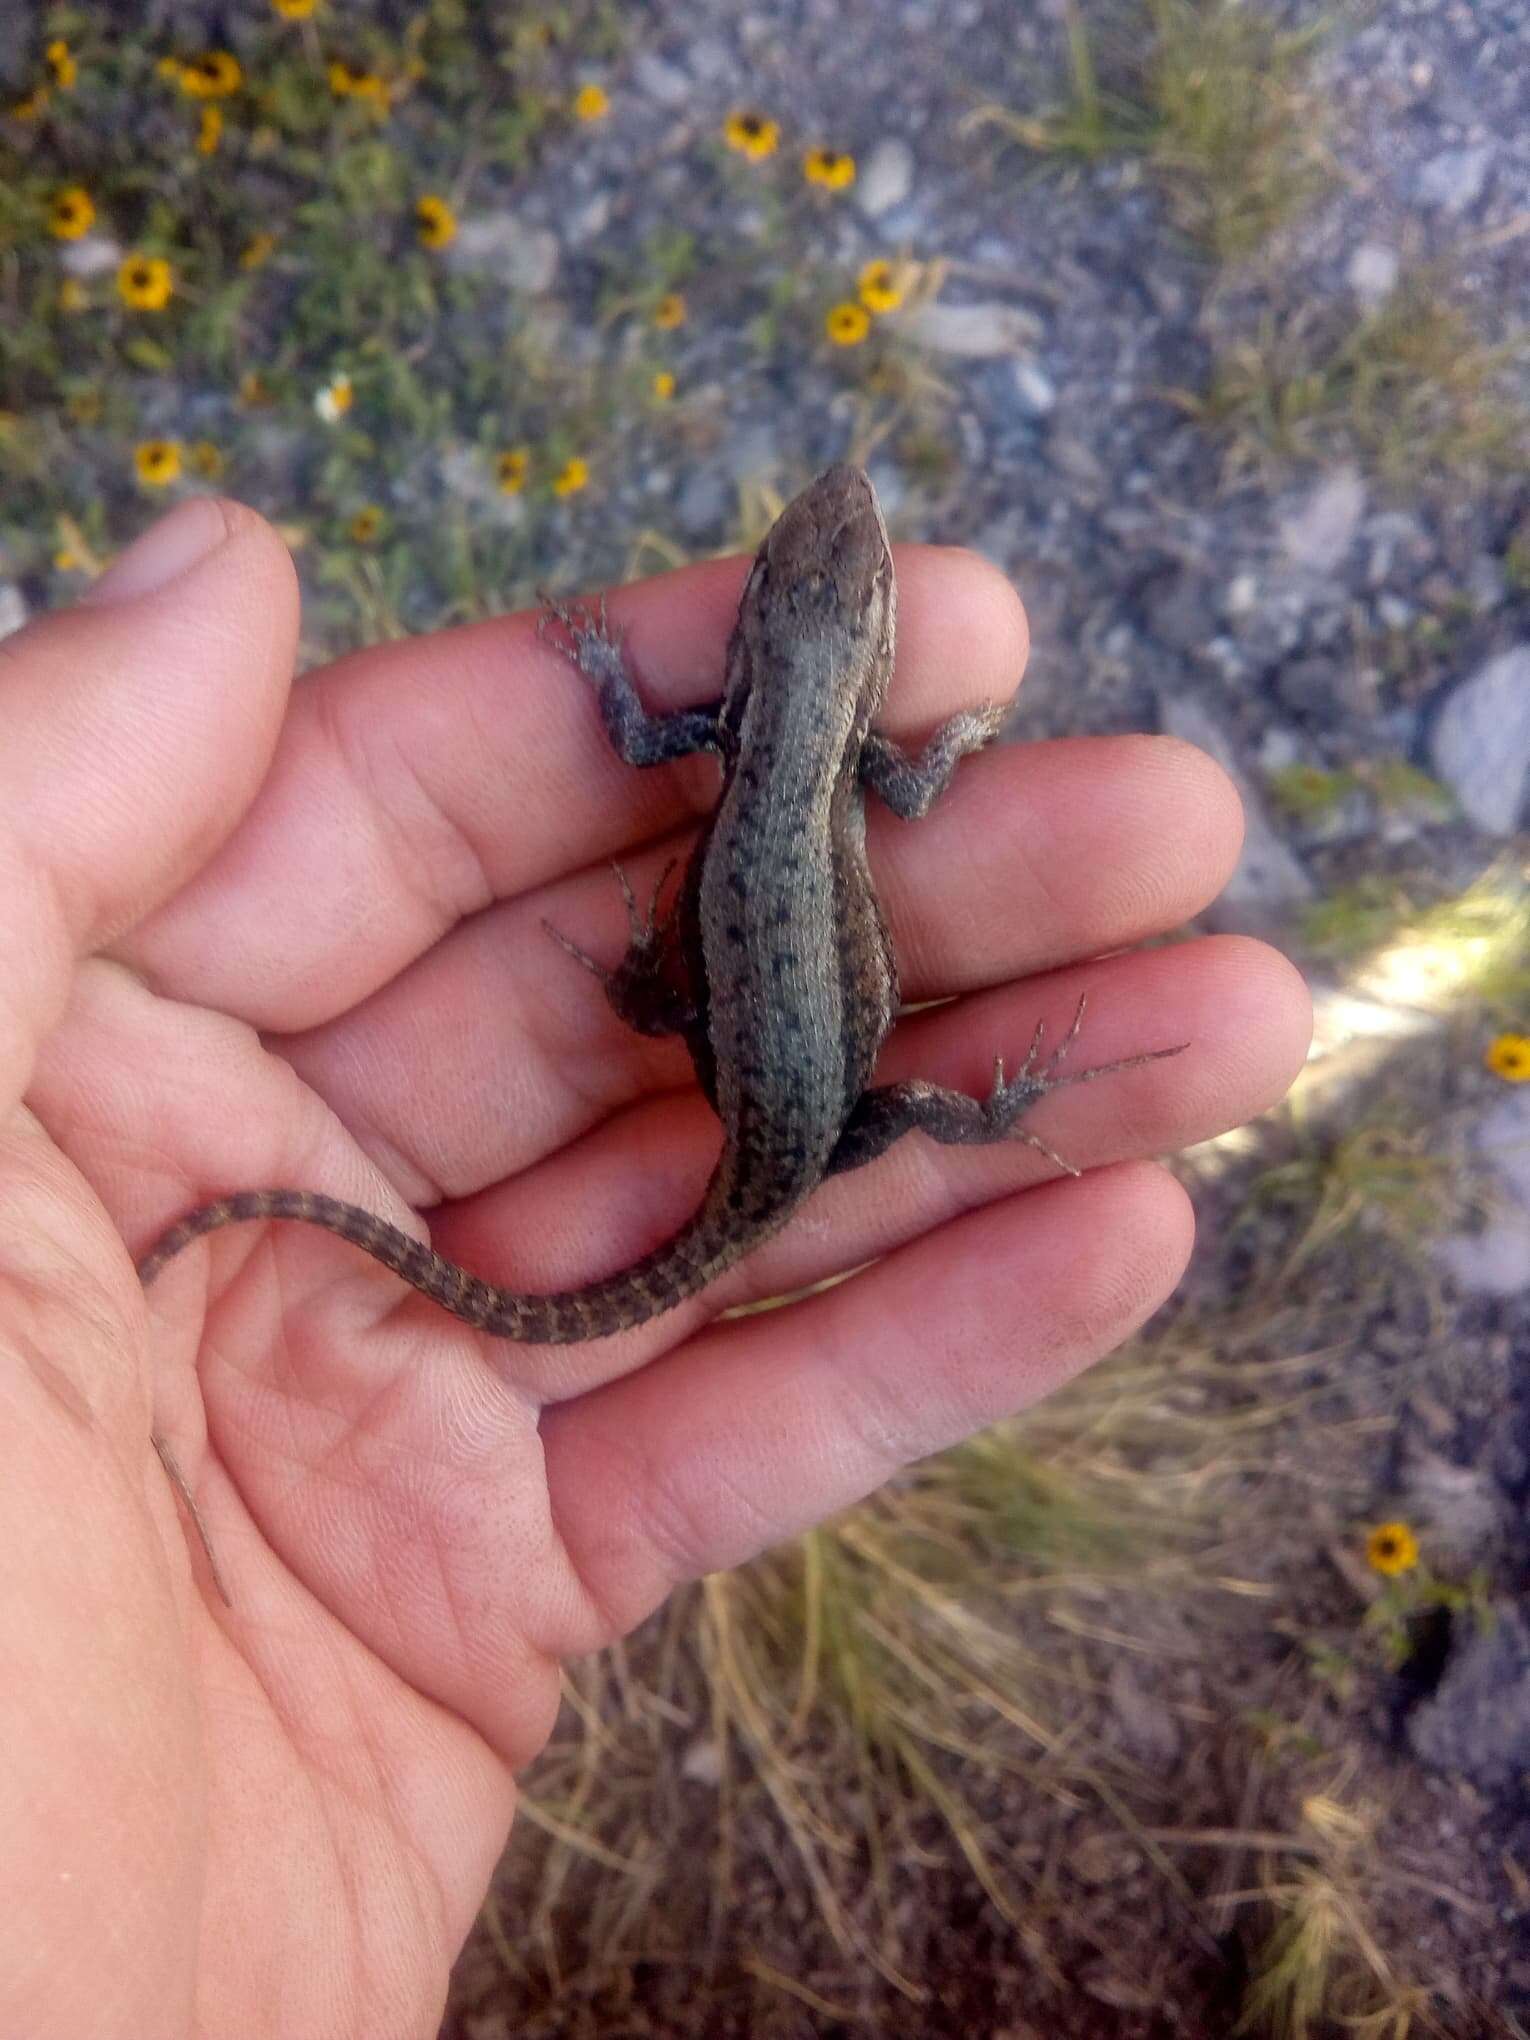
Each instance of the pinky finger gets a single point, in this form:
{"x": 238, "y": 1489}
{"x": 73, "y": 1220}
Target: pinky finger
{"x": 762, "y": 1426}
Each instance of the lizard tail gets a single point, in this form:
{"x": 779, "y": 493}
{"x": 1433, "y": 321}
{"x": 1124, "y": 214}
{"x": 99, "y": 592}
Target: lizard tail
{"x": 649, "y": 1287}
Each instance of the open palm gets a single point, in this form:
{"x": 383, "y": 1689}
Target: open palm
{"x": 251, "y": 939}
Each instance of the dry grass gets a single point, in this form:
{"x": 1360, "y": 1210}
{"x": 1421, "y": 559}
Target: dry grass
{"x": 1211, "y": 94}
{"x": 1411, "y": 389}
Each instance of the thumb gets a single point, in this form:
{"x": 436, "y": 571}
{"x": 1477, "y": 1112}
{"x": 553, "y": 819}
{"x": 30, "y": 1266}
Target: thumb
{"x": 137, "y": 727}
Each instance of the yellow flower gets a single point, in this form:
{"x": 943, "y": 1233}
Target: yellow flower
{"x": 31, "y": 106}
{"x": 335, "y": 399}
{"x": 72, "y": 295}
{"x": 367, "y": 85}
{"x": 294, "y": 10}
{"x": 1509, "y": 1057}
{"x": 169, "y": 68}
{"x": 1391, "y": 1548}
{"x": 366, "y": 524}
{"x": 829, "y": 167}
{"x": 663, "y": 386}
{"x": 67, "y": 561}
{"x": 435, "y": 222}
{"x": 145, "y": 282}
{"x": 879, "y": 287}
{"x": 572, "y": 477}
{"x": 751, "y": 134}
{"x": 210, "y": 130}
{"x": 71, "y": 213}
{"x": 590, "y": 103}
{"x": 206, "y": 459}
{"x": 158, "y": 462}
{"x": 510, "y": 469}
{"x": 257, "y": 251}
{"x": 341, "y": 78}
{"x": 669, "y": 312}
{"x": 847, "y": 324}
{"x": 61, "y": 62}
{"x": 214, "y": 75}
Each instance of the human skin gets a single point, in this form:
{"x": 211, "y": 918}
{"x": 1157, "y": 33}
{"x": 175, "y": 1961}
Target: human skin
{"x": 254, "y": 934}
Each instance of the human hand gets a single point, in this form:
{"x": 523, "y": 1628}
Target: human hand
{"x": 253, "y": 940}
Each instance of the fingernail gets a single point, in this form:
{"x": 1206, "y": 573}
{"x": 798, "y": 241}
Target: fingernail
{"x": 189, "y": 533}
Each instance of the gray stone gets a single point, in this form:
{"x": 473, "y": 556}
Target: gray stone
{"x": 1269, "y": 880}
{"x": 1180, "y": 613}
{"x": 589, "y": 221}
{"x": 1317, "y": 532}
{"x": 1494, "y": 1260}
{"x": 972, "y": 332}
{"x": 1477, "y": 1722}
{"x": 1503, "y": 1139}
{"x": 92, "y": 256}
{"x": 1453, "y": 181}
{"x": 1480, "y": 745}
{"x": 1372, "y": 273}
{"x": 1149, "y": 1730}
{"x": 665, "y": 84}
{"x": 1306, "y": 687}
{"x": 525, "y": 259}
{"x": 886, "y": 177}
{"x": 704, "y": 502}
{"x": 13, "y": 608}
{"x": 1036, "y": 391}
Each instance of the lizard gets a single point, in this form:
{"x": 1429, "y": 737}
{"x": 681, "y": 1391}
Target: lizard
{"x": 774, "y": 963}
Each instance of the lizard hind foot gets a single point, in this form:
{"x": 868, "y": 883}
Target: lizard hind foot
{"x": 1035, "y": 1079}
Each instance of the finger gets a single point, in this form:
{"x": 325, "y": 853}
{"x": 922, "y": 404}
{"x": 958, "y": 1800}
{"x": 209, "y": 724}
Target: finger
{"x": 1241, "y": 1008}
{"x": 761, "y": 1427}
{"x": 137, "y": 726}
{"x": 601, "y": 1203}
{"x": 416, "y": 783}
{"x": 494, "y": 1049}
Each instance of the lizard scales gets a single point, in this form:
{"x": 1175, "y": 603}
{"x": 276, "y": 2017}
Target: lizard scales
{"x": 774, "y": 962}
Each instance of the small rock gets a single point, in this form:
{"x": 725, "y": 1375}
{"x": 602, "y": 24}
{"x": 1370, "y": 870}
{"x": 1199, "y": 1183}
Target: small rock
{"x": 13, "y": 608}
{"x": 1503, "y": 1139}
{"x": 1306, "y": 687}
{"x": 1269, "y": 880}
{"x": 1494, "y": 1260}
{"x": 702, "y": 1762}
{"x": 1372, "y": 273}
{"x": 972, "y": 332}
{"x": 886, "y": 177}
{"x": 1279, "y": 749}
{"x": 1149, "y": 1730}
{"x": 90, "y": 257}
{"x": 1453, "y": 180}
{"x": 588, "y": 221}
{"x": 704, "y": 502}
{"x": 1320, "y": 530}
{"x": 1481, "y": 742}
{"x": 666, "y": 84}
{"x": 525, "y": 259}
{"x": 1036, "y": 391}
{"x": 1485, "y": 587}
{"x": 1477, "y": 1722}
{"x": 1179, "y": 613}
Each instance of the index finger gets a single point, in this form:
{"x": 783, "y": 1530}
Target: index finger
{"x": 416, "y": 783}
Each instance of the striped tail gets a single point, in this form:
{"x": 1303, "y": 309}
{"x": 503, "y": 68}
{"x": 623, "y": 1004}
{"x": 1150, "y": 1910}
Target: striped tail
{"x": 647, "y": 1289}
